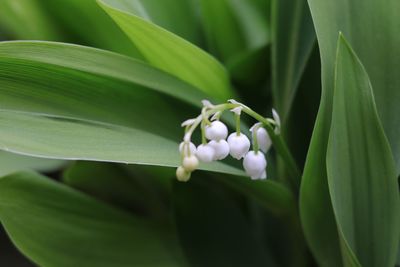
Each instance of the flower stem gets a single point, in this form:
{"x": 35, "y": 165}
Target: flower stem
{"x": 237, "y": 117}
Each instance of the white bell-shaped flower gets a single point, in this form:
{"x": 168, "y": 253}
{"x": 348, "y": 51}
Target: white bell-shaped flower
{"x": 254, "y": 164}
{"x": 182, "y": 175}
{"x": 221, "y": 148}
{"x": 183, "y": 149}
{"x": 190, "y": 163}
{"x": 239, "y": 145}
{"x": 216, "y": 131}
{"x": 264, "y": 141}
{"x": 205, "y": 153}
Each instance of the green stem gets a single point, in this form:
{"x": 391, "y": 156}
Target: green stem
{"x": 237, "y": 116}
{"x": 255, "y": 140}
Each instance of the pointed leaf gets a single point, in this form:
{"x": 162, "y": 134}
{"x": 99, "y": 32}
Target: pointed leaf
{"x": 377, "y": 48}
{"x": 361, "y": 171}
{"x": 172, "y": 54}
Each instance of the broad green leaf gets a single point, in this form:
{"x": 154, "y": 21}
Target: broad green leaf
{"x": 25, "y": 19}
{"x": 116, "y": 185}
{"x": 293, "y": 38}
{"x": 83, "y": 21}
{"x": 361, "y": 172}
{"x": 70, "y": 102}
{"x": 55, "y": 225}
{"x": 378, "y": 49}
{"x": 10, "y": 162}
{"x": 172, "y": 54}
{"x": 212, "y": 229}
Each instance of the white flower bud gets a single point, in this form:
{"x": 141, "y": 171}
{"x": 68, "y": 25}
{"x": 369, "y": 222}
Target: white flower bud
{"x": 190, "y": 163}
{"x": 254, "y": 164}
{"x": 205, "y": 153}
{"x": 239, "y": 145}
{"x": 182, "y": 175}
{"x": 183, "y": 149}
{"x": 221, "y": 148}
{"x": 264, "y": 141}
{"x": 216, "y": 131}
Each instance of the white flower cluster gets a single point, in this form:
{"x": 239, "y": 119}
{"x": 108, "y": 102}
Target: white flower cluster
{"x": 217, "y": 145}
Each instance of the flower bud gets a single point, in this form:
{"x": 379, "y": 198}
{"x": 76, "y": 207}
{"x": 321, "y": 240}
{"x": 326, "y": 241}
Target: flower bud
{"x": 182, "y": 175}
{"x": 216, "y": 131}
{"x": 254, "y": 164}
{"x": 264, "y": 141}
{"x": 221, "y": 148}
{"x": 190, "y": 163}
{"x": 183, "y": 149}
{"x": 205, "y": 153}
{"x": 239, "y": 145}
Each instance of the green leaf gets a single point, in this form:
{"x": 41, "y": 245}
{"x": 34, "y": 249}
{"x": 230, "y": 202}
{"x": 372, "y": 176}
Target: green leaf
{"x": 116, "y": 185}
{"x": 70, "y": 102}
{"x": 56, "y": 226}
{"x": 25, "y": 19}
{"x": 293, "y": 38}
{"x": 173, "y": 54}
{"x": 377, "y": 48}
{"x": 10, "y": 162}
{"x": 361, "y": 172}
{"x": 212, "y": 229}
{"x": 99, "y": 31}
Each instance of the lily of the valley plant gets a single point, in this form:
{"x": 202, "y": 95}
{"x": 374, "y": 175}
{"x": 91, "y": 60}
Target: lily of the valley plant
{"x": 288, "y": 154}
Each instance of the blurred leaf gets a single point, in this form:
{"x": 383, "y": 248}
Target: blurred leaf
{"x": 173, "y": 54}
{"x": 177, "y": 16}
{"x": 114, "y": 184}
{"x": 213, "y": 231}
{"x": 293, "y": 38}
{"x": 271, "y": 195}
{"x": 253, "y": 21}
{"x": 10, "y": 162}
{"x": 224, "y": 37}
{"x": 56, "y": 226}
{"x": 86, "y": 23}
{"x": 361, "y": 172}
{"x": 71, "y": 102}
{"x": 24, "y": 19}
{"x": 377, "y": 48}
{"x": 234, "y": 28}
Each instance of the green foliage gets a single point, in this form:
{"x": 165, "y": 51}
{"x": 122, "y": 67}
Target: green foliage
{"x": 361, "y": 172}
{"x": 95, "y": 99}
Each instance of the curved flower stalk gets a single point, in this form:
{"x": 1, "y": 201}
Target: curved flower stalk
{"x": 217, "y": 143}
